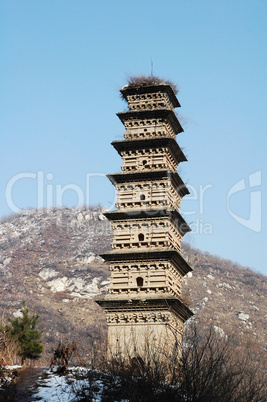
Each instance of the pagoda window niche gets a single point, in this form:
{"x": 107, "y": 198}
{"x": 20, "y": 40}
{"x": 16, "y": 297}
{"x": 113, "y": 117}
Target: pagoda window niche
{"x": 140, "y": 281}
{"x": 141, "y": 237}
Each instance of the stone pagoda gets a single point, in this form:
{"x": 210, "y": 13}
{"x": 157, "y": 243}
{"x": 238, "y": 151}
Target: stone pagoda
{"x": 144, "y": 304}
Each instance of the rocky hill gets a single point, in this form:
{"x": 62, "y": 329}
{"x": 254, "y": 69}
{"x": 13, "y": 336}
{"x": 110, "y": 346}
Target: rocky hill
{"x": 50, "y": 258}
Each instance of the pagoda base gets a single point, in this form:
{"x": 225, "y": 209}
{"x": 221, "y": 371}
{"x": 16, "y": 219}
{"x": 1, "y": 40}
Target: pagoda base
{"x": 142, "y": 327}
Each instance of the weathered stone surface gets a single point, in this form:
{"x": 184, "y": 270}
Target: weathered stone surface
{"x": 147, "y": 219}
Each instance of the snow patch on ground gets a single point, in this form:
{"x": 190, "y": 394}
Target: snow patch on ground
{"x": 18, "y": 314}
{"x": 56, "y": 387}
{"x": 6, "y": 375}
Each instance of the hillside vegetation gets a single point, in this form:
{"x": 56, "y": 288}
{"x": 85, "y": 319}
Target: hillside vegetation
{"x": 50, "y": 259}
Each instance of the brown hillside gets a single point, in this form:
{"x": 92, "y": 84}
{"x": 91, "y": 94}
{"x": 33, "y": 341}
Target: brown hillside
{"x": 50, "y": 258}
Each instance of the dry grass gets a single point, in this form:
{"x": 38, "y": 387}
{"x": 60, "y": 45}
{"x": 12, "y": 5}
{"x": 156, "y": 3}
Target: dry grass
{"x": 9, "y": 347}
{"x": 147, "y": 80}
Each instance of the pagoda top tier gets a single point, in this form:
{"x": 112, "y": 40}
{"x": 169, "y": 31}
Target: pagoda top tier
{"x": 146, "y": 93}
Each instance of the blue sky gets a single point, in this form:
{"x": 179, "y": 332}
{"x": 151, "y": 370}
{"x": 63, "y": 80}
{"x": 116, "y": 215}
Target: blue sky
{"x": 62, "y": 64}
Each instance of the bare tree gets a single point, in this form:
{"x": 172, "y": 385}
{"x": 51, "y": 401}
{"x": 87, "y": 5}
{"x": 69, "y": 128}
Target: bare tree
{"x": 208, "y": 366}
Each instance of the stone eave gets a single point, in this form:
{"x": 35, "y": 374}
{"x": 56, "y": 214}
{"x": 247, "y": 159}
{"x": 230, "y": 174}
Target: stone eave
{"x": 126, "y": 177}
{"x": 126, "y": 145}
{"x": 153, "y": 114}
{"x": 151, "y": 303}
{"x": 175, "y": 216}
{"x": 152, "y": 254}
{"x": 144, "y": 89}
